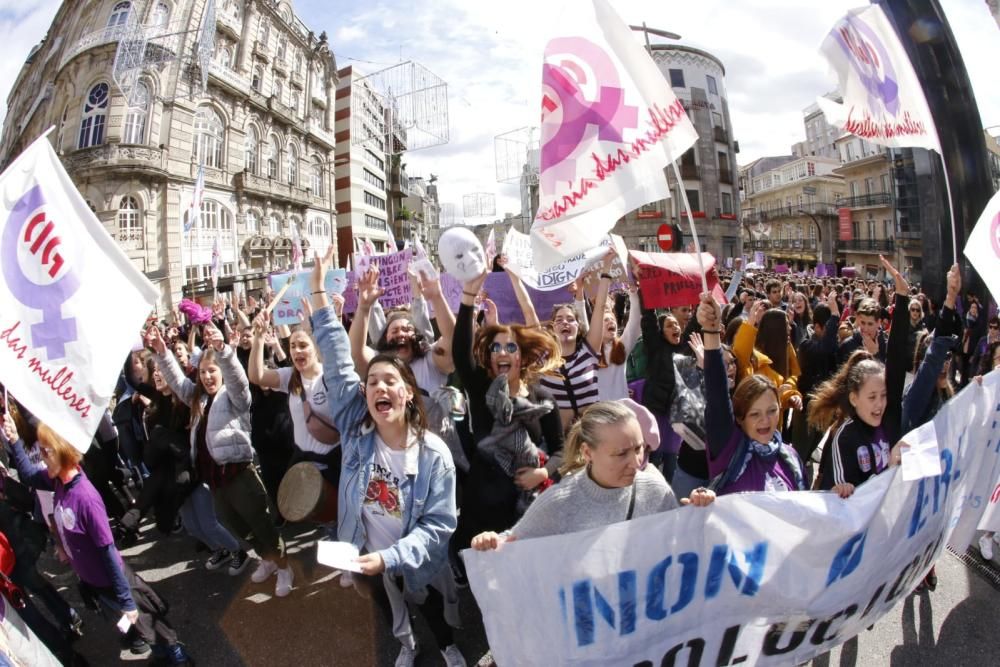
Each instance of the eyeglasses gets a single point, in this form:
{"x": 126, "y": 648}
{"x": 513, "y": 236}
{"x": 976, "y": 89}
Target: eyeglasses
{"x": 496, "y": 348}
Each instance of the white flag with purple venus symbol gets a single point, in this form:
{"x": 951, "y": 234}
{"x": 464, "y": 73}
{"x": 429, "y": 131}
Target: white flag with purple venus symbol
{"x": 71, "y": 302}
{"x": 883, "y": 99}
{"x": 610, "y": 124}
{"x": 983, "y": 246}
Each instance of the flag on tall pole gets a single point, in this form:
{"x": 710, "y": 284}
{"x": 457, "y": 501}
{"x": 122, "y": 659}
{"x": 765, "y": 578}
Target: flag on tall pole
{"x": 610, "y": 124}
{"x": 194, "y": 210}
{"x": 983, "y": 246}
{"x": 883, "y": 100}
{"x": 63, "y": 341}
{"x": 216, "y": 265}
{"x": 296, "y": 247}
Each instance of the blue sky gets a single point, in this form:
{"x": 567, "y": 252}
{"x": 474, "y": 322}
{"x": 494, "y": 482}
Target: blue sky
{"x": 489, "y": 53}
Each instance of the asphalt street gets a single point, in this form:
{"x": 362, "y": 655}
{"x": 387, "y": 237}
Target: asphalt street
{"x": 227, "y": 620}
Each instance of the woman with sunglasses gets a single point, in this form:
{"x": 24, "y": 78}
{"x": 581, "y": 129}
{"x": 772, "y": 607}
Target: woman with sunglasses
{"x": 606, "y": 478}
{"x": 503, "y": 361}
{"x": 396, "y": 501}
{"x": 86, "y": 542}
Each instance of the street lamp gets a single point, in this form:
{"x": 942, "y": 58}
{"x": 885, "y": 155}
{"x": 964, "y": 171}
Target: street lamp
{"x": 819, "y": 233}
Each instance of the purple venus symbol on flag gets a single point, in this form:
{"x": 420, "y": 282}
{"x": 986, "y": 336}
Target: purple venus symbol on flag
{"x": 871, "y": 61}
{"x": 608, "y": 113}
{"x": 29, "y": 223}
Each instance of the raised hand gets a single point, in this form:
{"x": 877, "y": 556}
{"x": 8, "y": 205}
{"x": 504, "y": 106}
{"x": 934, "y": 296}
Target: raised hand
{"x": 260, "y": 323}
{"x": 213, "y": 337}
{"x": 709, "y": 314}
{"x": 368, "y": 287}
{"x": 338, "y": 304}
{"x": 429, "y": 287}
{"x": 902, "y": 287}
{"x": 320, "y": 267}
{"x": 757, "y": 312}
{"x": 155, "y": 341}
{"x": 954, "y": 280}
{"x": 697, "y": 345}
{"x": 490, "y": 312}
{"x": 476, "y": 284}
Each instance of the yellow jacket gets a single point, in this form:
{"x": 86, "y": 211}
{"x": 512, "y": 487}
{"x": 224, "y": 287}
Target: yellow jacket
{"x": 750, "y": 360}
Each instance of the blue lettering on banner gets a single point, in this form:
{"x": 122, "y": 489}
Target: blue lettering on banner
{"x": 590, "y": 604}
{"x": 847, "y": 559}
{"x": 949, "y": 474}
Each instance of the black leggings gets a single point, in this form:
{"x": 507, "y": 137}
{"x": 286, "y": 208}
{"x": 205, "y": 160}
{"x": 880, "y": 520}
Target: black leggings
{"x": 432, "y": 610}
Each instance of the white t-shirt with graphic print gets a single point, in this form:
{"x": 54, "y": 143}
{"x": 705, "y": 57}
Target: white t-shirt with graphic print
{"x": 382, "y": 512}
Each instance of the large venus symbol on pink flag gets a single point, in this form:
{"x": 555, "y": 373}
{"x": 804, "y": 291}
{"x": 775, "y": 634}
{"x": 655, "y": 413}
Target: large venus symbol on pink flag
{"x": 995, "y": 235}
{"x": 567, "y": 114}
{"x": 29, "y": 224}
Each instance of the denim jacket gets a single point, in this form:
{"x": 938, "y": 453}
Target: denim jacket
{"x": 429, "y": 513}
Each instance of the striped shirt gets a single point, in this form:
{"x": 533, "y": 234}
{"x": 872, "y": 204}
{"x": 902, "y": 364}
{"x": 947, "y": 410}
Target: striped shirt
{"x": 578, "y": 383}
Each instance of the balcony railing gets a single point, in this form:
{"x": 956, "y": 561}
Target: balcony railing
{"x": 93, "y": 39}
{"x": 725, "y": 176}
{"x": 867, "y": 245}
{"x": 795, "y": 245}
{"x": 720, "y": 135}
{"x": 296, "y": 79}
{"x": 229, "y": 77}
{"x": 115, "y": 155}
{"x": 878, "y": 200}
{"x": 782, "y": 212}
{"x": 319, "y": 132}
{"x": 230, "y": 23}
{"x": 277, "y": 107}
{"x": 281, "y": 65}
{"x": 260, "y": 50}
{"x": 131, "y": 238}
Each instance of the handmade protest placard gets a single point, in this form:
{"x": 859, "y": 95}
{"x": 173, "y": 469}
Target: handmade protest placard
{"x": 674, "y": 279}
{"x": 393, "y": 278}
{"x": 289, "y": 309}
{"x": 769, "y": 578}
{"x": 518, "y": 252}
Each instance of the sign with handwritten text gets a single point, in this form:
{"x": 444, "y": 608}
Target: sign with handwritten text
{"x": 674, "y": 279}
{"x": 289, "y": 309}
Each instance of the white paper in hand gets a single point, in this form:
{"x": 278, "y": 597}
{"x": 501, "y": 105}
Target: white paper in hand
{"x": 339, "y": 555}
{"x": 921, "y": 457}
{"x": 123, "y": 624}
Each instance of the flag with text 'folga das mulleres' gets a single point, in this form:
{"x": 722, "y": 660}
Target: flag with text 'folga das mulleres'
{"x": 71, "y": 302}
{"x": 883, "y": 99}
{"x": 983, "y": 246}
{"x": 610, "y": 124}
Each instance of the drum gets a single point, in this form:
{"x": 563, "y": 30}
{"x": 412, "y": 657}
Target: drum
{"x": 305, "y": 496}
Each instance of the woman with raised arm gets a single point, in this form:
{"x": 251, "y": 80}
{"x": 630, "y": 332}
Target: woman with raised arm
{"x": 221, "y": 451}
{"x": 574, "y": 386}
{"x": 612, "y": 383}
{"x": 862, "y": 406}
{"x": 743, "y": 439}
{"x": 316, "y": 439}
{"x": 499, "y": 369}
{"x": 396, "y": 501}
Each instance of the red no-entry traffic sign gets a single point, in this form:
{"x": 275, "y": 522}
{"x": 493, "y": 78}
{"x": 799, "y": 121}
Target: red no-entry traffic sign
{"x": 665, "y": 237}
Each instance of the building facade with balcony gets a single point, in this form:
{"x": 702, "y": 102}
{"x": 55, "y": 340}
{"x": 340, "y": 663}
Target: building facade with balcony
{"x": 708, "y": 169}
{"x": 261, "y": 131}
{"x": 789, "y": 212}
{"x": 868, "y": 220}
{"x": 361, "y": 189}
{"x": 821, "y": 136}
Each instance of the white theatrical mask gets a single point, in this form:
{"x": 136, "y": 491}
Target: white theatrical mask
{"x": 461, "y": 254}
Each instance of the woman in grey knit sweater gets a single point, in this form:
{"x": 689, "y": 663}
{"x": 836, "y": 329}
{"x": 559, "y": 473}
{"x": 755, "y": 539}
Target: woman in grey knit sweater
{"x": 605, "y": 478}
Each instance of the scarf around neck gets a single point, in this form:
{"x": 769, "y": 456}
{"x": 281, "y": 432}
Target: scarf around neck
{"x": 769, "y": 453}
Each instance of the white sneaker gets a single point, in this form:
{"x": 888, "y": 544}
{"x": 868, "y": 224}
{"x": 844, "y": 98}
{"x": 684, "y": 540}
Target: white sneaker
{"x": 986, "y": 546}
{"x": 407, "y": 657}
{"x": 453, "y": 657}
{"x": 284, "y": 585}
{"x": 263, "y": 571}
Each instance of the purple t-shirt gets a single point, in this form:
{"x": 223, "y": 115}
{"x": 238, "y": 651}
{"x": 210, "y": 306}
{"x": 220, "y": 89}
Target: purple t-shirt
{"x": 82, "y": 521}
{"x": 758, "y": 476}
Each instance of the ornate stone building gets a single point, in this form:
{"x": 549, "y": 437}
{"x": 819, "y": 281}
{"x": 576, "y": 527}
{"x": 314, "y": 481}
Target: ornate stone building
{"x": 262, "y": 131}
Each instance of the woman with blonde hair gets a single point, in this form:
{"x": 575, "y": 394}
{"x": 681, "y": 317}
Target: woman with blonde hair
{"x": 607, "y": 478}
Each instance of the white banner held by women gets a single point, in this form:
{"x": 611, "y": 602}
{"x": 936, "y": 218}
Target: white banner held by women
{"x": 883, "y": 99}
{"x": 610, "y": 124}
{"x": 758, "y": 578}
{"x": 71, "y": 302}
{"x": 520, "y": 261}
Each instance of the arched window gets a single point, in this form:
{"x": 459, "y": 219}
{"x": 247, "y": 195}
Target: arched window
{"x": 250, "y": 150}
{"x": 161, "y": 15}
{"x": 258, "y": 78}
{"x": 227, "y": 58}
{"x": 282, "y": 47}
{"x": 293, "y": 165}
{"x": 317, "y": 177}
{"x": 272, "y": 157}
{"x": 119, "y": 14}
{"x": 265, "y": 32}
{"x": 210, "y": 215}
{"x": 298, "y": 62}
{"x": 208, "y": 129}
{"x": 135, "y": 118}
{"x": 295, "y": 101}
{"x": 95, "y": 115}
{"x": 274, "y": 225}
{"x": 253, "y": 223}
{"x": 129, "y": 224}
{"x": 278, "y": 89}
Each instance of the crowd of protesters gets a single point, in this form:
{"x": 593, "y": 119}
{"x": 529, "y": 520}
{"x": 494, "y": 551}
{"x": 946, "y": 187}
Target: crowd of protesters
{"x": 434, "y": 434}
